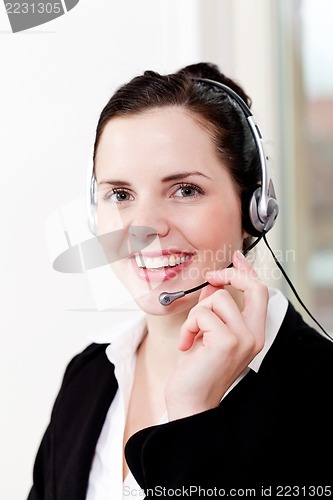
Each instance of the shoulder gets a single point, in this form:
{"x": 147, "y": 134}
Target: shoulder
{"x": 88, "y": 381}
{"x": 300, "y": 351}
{"x": 295, "y": 330}
{"x": 77, "y": 417}
{"x": 92, "y": 354}
{"x": 88, "y": 366}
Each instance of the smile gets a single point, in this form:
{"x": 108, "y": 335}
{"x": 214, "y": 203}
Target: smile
{"x": 163, "y": 261}
{"x": 160, "y": 267}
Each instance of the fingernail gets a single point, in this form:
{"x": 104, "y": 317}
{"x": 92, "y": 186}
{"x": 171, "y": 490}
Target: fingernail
{"x": 240, "y": 256}
{"x": 211, "y": 273}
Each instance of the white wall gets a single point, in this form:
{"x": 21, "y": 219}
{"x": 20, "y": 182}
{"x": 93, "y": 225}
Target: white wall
{"x": 54, "y": 81}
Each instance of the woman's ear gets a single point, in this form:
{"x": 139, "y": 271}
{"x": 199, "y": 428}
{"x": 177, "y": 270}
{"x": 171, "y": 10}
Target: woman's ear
{"x": 245, "y": 235}
{"x": 247, "y": 240}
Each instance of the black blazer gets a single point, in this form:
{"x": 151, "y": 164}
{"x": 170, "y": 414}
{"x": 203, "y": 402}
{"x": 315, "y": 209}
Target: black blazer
{"x": 274, "y": 429}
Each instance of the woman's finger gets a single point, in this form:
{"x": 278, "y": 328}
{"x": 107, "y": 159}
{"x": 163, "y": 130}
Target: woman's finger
{"x": 224, "y": 306}
{"x": 207, "y": 291}
{"x": 201, "y": 318}
{"x": 244, "y": 278}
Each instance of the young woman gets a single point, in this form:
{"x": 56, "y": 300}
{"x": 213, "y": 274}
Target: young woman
{"x": 224, "y": 390}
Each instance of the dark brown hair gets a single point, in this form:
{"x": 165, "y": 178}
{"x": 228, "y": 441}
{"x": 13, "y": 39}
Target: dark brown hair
{"x": 218, "y": 113}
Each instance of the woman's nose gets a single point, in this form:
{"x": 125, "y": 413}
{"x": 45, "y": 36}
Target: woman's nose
{"x": 140, "y": 237}
{"x": 149, "y": 220}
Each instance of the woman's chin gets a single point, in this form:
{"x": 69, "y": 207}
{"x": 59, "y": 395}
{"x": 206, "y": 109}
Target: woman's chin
{"x": 146, "y": 293}
{"x": 150, "y": 304}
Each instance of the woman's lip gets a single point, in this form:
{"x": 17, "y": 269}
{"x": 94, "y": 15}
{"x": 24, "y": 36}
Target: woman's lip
{"x": 159, "y": 274}
{"x": 159, "y": 253}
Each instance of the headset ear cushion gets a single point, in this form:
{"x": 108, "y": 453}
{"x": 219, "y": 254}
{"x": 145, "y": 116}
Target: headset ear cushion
{"x": 253, "y": 223}
{"x": 249, "y": 203}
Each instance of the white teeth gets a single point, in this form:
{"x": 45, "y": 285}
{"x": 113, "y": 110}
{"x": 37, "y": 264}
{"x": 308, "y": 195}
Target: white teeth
{"x": 139, "y": 261}
{"x": 165, "y": 261}
{"x": 172, "y": 260}
{"x": 159, "y": 262}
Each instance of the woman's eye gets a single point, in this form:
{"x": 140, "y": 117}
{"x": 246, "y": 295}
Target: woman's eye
{"x": 188, "y": 191}
{"x": 118, "y": 196}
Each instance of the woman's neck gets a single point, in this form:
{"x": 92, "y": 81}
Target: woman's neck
{"x": 160, "y": 346}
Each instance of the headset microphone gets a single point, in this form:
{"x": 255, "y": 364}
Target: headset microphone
{"x": 166, "y": 298}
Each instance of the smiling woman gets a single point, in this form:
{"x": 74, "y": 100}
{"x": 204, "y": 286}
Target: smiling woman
{"x": 173, "y": 181}
{"x": 196, "y": 393}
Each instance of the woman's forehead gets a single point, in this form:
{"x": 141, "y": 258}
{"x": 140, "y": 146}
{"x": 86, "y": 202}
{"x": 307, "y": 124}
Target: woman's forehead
{"x": 170, "y": 134}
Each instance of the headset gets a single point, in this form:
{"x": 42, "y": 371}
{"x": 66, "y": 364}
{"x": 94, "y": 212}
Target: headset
{"x": 262, "y": 208}
{"x": 91, "y": 195}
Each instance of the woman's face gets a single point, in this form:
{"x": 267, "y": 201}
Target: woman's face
{"x": 159, "y": 179}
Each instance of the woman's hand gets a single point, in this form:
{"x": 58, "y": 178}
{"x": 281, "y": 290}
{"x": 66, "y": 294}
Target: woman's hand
{"x": 218, "y": 340}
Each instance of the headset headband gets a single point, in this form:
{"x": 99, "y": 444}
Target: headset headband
{"x": 263, "y": 205}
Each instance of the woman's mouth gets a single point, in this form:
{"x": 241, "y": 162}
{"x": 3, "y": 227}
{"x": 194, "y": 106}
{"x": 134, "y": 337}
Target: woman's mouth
{"x": 154, "y": 263}
{"x": 160, "y": 267}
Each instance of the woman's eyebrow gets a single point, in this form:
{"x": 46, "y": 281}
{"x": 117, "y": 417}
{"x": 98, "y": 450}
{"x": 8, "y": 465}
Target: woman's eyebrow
{"x": 182, "y": 175}
{"x": 168, "y": 178}
{"x": 115, "y": 183}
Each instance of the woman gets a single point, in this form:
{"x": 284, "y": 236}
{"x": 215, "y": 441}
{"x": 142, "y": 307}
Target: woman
{"x": 224, "y": 390}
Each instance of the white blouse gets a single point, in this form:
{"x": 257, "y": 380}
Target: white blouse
{"x": 106, "y": 474}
